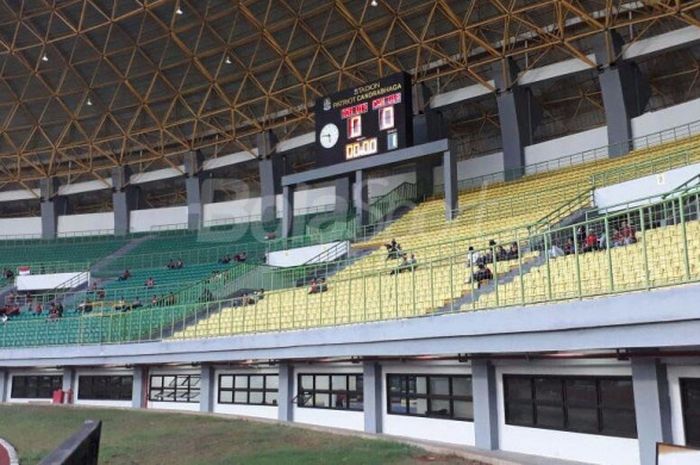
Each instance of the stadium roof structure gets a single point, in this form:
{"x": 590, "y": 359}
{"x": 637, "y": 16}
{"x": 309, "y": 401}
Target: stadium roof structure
{"x": 87, "y": 85}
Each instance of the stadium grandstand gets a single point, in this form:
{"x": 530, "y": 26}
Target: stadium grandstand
{"x": 474, "y": 223}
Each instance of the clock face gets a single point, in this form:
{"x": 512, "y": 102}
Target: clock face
{"x": 329, "y": 135}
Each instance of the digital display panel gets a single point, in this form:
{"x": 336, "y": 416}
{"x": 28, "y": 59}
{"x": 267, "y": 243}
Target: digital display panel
{"x": 366, "y": 120}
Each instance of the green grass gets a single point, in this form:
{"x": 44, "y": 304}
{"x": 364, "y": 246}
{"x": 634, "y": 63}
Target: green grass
{"x": 154, "y": 438}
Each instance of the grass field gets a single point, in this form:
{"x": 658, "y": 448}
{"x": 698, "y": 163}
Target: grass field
{"x": 154, "y": 438}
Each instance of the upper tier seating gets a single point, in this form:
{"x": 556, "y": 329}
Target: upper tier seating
{"x": 365, "y": 290}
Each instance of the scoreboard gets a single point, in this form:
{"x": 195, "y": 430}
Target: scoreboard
{"x": 370, "y": 119}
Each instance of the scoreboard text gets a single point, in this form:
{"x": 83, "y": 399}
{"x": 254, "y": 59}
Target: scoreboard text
{"x": 366, "y": 120}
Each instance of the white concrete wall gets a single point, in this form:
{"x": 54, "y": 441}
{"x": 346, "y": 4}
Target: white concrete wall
{"x": 37, "y": 282}
{"x": 28, "y": 226}
{"x": 347, "y": 419}
{"x": 675, "y": 373}
{"x": 256, "y": 411}
{"x": 28, "y": 372}
{"x": 431, "y": 429}
{"x": 243, "y": 208}
{"x": 145, "y": 220}
{"x": 302, "y": 255}
{"x": 590, "y": 448}
{"x": 567, "y": 145}
{"x": 95, "y": 223}
{"x": 99, "y": 403}
{"x": 653, "y": 185}
{"x": 666, "y": 118}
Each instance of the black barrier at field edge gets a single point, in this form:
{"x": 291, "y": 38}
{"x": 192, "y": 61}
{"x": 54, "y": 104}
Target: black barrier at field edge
{"x": 80, "y": 449}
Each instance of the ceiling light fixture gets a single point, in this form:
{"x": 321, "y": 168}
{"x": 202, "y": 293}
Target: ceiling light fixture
{"x": 89, "y": 102}
{"x": 44, "y": 57}
{"x": 179, "y": 11}
{"x": 227, "y": 60}
{"x": 373, "y": 3}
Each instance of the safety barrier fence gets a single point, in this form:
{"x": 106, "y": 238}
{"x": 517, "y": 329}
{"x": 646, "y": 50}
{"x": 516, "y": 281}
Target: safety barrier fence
{"x": 643, "y": 247}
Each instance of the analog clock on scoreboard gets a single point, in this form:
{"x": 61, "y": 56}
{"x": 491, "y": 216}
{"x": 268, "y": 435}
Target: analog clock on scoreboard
{"x": 370, "y": 119}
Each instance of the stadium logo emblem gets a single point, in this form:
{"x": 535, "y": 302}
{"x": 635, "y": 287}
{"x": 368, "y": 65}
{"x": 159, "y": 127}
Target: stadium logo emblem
{"x": 326, "y": 104}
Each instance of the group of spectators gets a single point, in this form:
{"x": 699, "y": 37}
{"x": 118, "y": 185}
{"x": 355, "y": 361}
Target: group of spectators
{"x": 239, "y": 257}
{"x": 11, "y": 310}
{"x": 395, "y": 252}
{"x": 175, "y": 264}
{"x": 588, "y": 241}
{"x": 480, "y": 260}
{"x": 318, "y": 285}
{"x": 249, "y": 298}
{"x": 8, "y": 274}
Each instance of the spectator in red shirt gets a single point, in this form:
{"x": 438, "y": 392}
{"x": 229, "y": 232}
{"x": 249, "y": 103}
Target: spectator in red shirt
{"x": 628, "y": 233}
{"x": 591, "y": 242}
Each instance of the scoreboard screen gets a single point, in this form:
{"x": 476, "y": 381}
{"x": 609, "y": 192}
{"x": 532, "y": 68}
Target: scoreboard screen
{"x": 373, "y": 118}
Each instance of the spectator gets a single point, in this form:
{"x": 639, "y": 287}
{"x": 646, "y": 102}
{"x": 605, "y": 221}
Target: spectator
{"x": 580, "y": 236}
{"x": 314, "y": 289}
{"x": 150, "y": 282}
{"x": 617, "y": 239}
{"x": 556, "y": 251}
{"x": 513, "y": 252}
{"x": 482, "y": 274}
{"x": 225, "y": 260}
{"x": 53, "y": 313}
{"x": 569, "y": 247}
{"x": 171, "y": 264}
{"x": 269, "y": 236}
{"x": 124, "y": 276}
{"x": 154, "y": 300}
{"x": 59, "y": 309}
{"x": 501, "y": 254}
{"x": 243, "y": 257}
{"x": 101, "y": 294}
{"x": 629, "y": 235}
{"x": 591, "y": 242}
{"x": 38, "y": 309}
{"x": 473, "y": 257}
{"x": 393, "y": 250}
{"x": 179, "y": 264}
{"x": 85, "y": 306}
{"x": 12, "y": 310}
{"x": 9, "y": 274}
{"x": 121, "y": 306}
{"x": 136, "y": 303}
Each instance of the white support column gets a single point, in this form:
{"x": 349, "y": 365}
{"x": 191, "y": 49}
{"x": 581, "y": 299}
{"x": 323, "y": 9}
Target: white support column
{"x": 485, "y": 404}
{"x": 285, "y": 396}
{"x": 372, "y": 387}
{"x": 69, "y": 379}
{"x": 652, "y": 406}
{"x": 4, "y": 382}
{"x": 207, "y": 388}
{"x": 139, "y": 389}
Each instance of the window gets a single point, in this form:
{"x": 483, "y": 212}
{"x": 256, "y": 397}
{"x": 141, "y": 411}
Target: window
{"x": 690, "y": 401}
{"x": 35, "y": 387}
{"x": 105, "y": 387}
{"x": 435, "y": 396}
{"x": 248, "y": 389}
{"x": 593, "y": 405}
{"x": 174, "y": 388}
{"x": 340, "y": 391}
